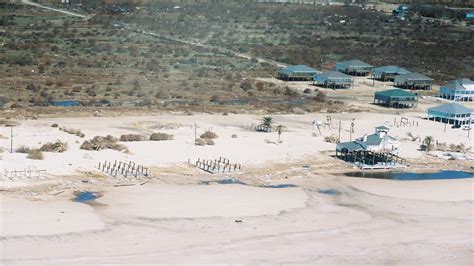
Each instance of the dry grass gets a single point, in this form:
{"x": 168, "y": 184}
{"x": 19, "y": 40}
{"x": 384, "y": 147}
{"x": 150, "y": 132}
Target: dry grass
{"x": 331, "y": 139}
{"x": 35, "y": 154}
{"x": 101, "y": 143}
{"x": 57, "y": 146}
{"x": 72, "y": 131}
{"x": 209, "y": 135}
{"x": 23, "y": 149}
{"x": 204, "y": 142}
{"x": 160, "y": 136}
{"x": 132, "y": 137}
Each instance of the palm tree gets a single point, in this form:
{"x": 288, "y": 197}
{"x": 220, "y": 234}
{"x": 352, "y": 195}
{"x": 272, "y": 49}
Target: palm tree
{"x": 267, "y": 121}
{"x": 428, "y": 141}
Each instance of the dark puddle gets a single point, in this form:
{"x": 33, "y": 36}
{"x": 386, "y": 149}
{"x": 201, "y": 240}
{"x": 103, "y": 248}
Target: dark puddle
{"x": 329, "y": 192}
{"x": 85, "y": 197}
{"x": 280, "y": 186}
{"x": 407, "y": 176}
{"x": 66, "y": 103}
{"x": 233, "y": 181}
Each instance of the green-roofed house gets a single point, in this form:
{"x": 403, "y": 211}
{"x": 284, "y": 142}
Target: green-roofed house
{"x": 451, "y": 113}
{"x": 397, "y": 98}
{"x": 388, "y": 73}
{"x": 297, "y": 73}
{"x": 354, "y": 68}
{"x": 333, "y": 79}
{"x": 413, "y": 81}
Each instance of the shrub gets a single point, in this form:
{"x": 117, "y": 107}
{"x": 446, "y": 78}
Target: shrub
{"x": 307, "y": 91}
{"x": 331, "y": 139}
{"x": 57, "y": 146}
{"x": 209, "y": 135}
{"x": 72, "y": 131}
{"x": 160, "y": 136}
{"x": 290, "y": 92}
{"x": 201, "y": 142}
{"x": 320, "y": 97}
{"x": 21, "y": 59}
{"x": 54, "y": 125}
{"x": 246, "y": 85}
{"x": 132, "y": 137}
{"x": 35, "y": 154}
{"x": 234, "y": 136}
{"x": 23, "y": 149}
{"x": 101, "y": 143}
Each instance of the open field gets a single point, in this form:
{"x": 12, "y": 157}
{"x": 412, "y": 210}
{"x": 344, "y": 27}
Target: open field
{"x": 49, "y": 57}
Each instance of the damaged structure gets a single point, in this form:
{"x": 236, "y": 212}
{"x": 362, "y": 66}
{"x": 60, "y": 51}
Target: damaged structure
{"x": 375, "y": 151}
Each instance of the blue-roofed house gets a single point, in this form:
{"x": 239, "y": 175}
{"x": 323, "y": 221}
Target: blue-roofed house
{"x": 354, "y": 67}
{"x": 413, "y": 81}
{"x": 388, "y": 73}
{"x": 297, "y": 73}
{"x": 458, "y": 90}
{"x": 333, "y": 79}
{"x": 451, "y": 113}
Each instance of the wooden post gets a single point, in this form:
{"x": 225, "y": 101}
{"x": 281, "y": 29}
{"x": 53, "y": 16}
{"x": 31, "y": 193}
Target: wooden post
{"x": 339, "y": 139}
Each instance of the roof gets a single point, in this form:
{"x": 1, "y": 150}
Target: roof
{"x": 391, "y": 70}
{"x": 372, "y": 140}
{"x": 351, "y": 146}
{"x": 413, "y": 76}
{"x": 333, "y": 75}
{"x": 355, "y": 63}
{"x": 451, "y": 108}
{"x": 460, "y": 84}
{"x": 462, "y": 81}
{"x": 382, "y": 128}
{"x": 297, "y": 68}
{"x": 395, "y": 93}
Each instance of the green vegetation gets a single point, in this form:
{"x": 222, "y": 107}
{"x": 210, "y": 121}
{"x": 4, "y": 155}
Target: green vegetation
{"x": 47, "y": 57}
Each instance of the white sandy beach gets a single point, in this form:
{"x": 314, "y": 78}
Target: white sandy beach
{"x": 248, "y": 148}
{"x": 289, "y": 225}
{"x": 174, "y": 219}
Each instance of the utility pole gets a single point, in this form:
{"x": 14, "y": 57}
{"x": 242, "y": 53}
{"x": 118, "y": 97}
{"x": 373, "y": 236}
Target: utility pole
{"x": 11, "y": 137}
{"x": 352, "y": 129}
{"x": 339, "y": 138}
{"x": 195, "y": 133}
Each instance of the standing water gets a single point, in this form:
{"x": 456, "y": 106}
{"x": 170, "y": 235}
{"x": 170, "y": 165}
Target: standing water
{"x": 413, "y": 176}
{"x": 85, "y": 196}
